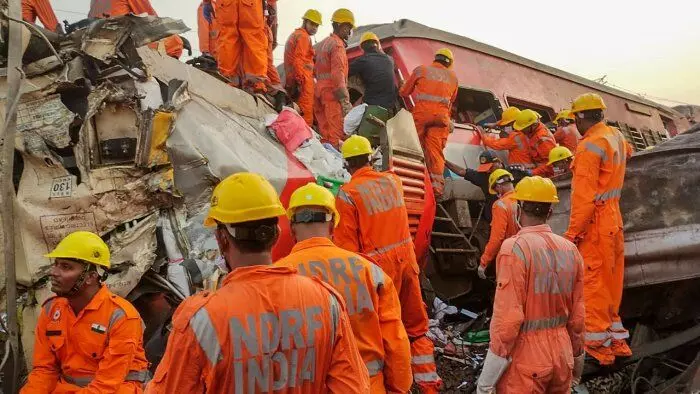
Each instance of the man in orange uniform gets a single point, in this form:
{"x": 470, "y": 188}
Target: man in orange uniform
{"x": 87, "y": 339}
{"x": 40, "y": 9}
{"x": 110, "y": 8}
{"x": 331, "y": 96}
{"x": 374, "y": 221}
{"x": 515, "y": 143}
{"x": 274, "y": 83}
{"x": 266, "y": 328}
{"x": 539, "y": 140}
{"x": 370, "y": 296}
{"x": 503, "y": 217}
{"x": 537, "y": 324}
{"x": 560, "y": 158}
{"x": 435, "y": 88}
{"x": 595, "y": 225}
{"x": 299, "y": 65}
{"x": 206, "y": 32}
{"x": 566, "y": 135}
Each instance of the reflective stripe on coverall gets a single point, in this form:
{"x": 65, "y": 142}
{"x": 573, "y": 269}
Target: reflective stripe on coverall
{"x": 596, "y": 224}
{"x": 108, "y": 8}
{"x": 540, "y": 142}
{"x": 504, "y": 225}
{"x": 206, "y": 32}
{"x": 373, "y": 309}
{"x": 538, "y": 311}
{"x": 516, "y": 143}
{"x": 266, "y": 329}
{"x": 435, "y": 89}
{"x": 374, "y": 221}
{"x": 331, "y": 72}
{"x": 568, "y": 136}
{"x": 39, "y": 9}
{"x": 299, "y": 71}
{"x": 100, "y": 349}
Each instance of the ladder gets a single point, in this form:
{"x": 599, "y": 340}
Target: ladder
{"x": 450, "y": 247}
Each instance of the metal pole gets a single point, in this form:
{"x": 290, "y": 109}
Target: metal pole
{"x": 8, "y": 191}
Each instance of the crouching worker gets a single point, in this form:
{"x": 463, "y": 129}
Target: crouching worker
{"x": 87, "y": 340}
{"x": 537, "y": 327}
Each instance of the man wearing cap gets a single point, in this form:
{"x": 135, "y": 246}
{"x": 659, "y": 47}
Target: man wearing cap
{"x": 540, "y": 140}
{"x": 376, "y": 70}
{"x": 488, "y": 162}
{"x": 87, "y": 339}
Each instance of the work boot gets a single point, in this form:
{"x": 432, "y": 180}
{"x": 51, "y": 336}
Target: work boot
{"x": 602, "y": 354}
{"x": 620, "y": 348}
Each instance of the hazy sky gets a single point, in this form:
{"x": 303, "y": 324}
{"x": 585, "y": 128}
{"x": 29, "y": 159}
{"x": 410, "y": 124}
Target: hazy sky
{"x": 650, "y": 49}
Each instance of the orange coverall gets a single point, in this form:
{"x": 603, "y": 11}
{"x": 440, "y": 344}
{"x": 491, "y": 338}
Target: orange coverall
{"x": 373, "y": 307}
{"x": 504, "y": 225}
{"x": 98, "y": 351}
{"x": 517, "y": 146}
{"x": 435, "y": 89}
{"x": 567, "y": 136}
{"x": 299, "y": 70}
{"x": 206, "y": 32}
{"x": 596, "y": 225}
{"x": 241, "y": 44}
{"x": 266, "y": 329}
{"x": 107, "y": 8}
{"x": 540, "y": 142}
{"x": 538, "y": 311}
{"x": 39, "y": 9}
{"x": 374, "y": 221}
{"x": 274, "y": 83}
{"x": 331, "y": 72}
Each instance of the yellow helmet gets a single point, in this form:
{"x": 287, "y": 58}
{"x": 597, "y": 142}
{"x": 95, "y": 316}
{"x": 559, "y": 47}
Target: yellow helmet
{"x": 446, "y": 52}
{"x": 564, "y": 114}
{"x": 587, "y": 102}
{"x": 314, "y": 195}
{"x": 559, "y": 153}
{"x": 536, "y": 189}
{"x": 243, "y": 197}
{"x": 369, "y": 36}
{"x": 82, "y": 245}
{"x": 313, "y": 16}
{"x": 496, "y": 176}
{"x": 525, "y": 118}
{"x": 508, "y": 116}
{"x": 343, "y": 15}
{"x": 356, "y": 145}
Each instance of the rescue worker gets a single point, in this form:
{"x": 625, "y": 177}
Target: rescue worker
{"x": 503, "y": 217}
{"x": 560, "y": 159}
{"x": 274, "y": 83}
{"x": 331, "y": 96}
{"x": 110, "y": 8}
{"x": 539, "y": 140}
{"x": 369, "y": 203}
{"x": 370, "y": 296}
{"x": 376, "y": 70}
{"x": 87, "y": 339}
{"x": 206, "y": 32}
{"x": 595, "y": 225}
{"x": 515, "y": 142}
{"x": 566, "y": 135}
{"x": 299, "y": 65}
{"x": 266, "y": 328}
{"x": 41, "y": 9}
{"x": 435, "y": 88}
{"x": 537, "y": 325}
{"x": 242, "y": 43}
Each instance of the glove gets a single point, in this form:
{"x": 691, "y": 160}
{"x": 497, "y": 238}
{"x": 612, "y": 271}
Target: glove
{"x": 482, "y": 271}
{"x": 578, "y": 369}
{"x": 491, "y": 373}
{"x": 208, "y": 12}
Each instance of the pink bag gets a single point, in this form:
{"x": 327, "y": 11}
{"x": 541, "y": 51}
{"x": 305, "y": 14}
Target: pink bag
{"x": 291, "y": 129}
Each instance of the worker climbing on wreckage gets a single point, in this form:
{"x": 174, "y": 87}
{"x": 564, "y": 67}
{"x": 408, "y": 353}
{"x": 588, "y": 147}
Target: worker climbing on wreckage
{"x": 374, "y": 222}
{"x": 376, "y": 70}
{"x": 537, "y": 326}
{"x": 516, "y": 143}
{"x": 87, "y": 339}
{"x": 274, "y": 83}
{"x": 266, "y": 328}
{"x": 299, "y": 65}
{"x": 42, "y": 10}
{"x": 539, "y": 140}
{"x": 369, "y": 293}
{"x": 595, "y": 225}
{"x": 435, "y": 89}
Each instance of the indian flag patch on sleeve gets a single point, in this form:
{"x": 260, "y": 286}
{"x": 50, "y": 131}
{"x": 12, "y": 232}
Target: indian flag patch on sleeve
{"x": 99, "y": 328}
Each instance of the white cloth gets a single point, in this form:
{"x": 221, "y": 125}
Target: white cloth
{"x": 494, "y": 367}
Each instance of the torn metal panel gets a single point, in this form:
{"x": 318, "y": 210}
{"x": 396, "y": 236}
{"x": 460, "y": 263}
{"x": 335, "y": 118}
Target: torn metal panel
{"x": 161, "y": 126}
{"x": 43, "y": 123}
{"x": 116, "y": 134}
{"x": 133, "y": 251}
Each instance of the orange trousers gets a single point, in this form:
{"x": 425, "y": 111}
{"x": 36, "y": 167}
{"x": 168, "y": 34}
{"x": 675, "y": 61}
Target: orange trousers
{"x": 274, "y": 83}
{"x": 433, "y": 127}
{"x": 306, "y": 100}
{"x": 329, "y": 115}
{"x": 242, "y": 43}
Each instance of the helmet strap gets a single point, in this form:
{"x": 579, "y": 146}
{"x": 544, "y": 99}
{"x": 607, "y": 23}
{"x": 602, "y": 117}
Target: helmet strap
{"x": 80, "y": 282}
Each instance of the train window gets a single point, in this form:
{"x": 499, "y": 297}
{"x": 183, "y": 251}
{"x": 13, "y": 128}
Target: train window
{"x": 669, "y": 125}
{"x": 476, "y": 106}
{"x": 547, "y": 113}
